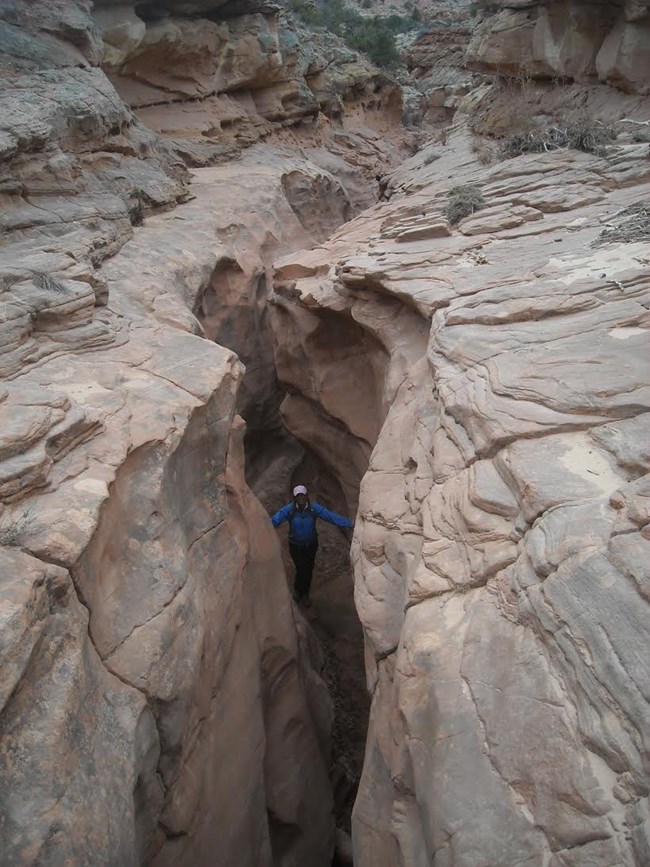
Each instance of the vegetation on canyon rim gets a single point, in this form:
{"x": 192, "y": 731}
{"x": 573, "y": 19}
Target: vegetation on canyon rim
{"x": 526, "y": 126}
{"x": 373, "y": 35}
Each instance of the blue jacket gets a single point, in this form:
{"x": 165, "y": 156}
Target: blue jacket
{"x": 302, "y": 525}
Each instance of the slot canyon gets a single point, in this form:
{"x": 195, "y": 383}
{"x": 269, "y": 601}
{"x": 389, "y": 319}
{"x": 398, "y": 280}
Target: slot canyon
{"x": 237, "y": 256}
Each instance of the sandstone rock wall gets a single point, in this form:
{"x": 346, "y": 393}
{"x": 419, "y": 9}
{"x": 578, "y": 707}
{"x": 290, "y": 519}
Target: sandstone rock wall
{"x": 74, "y": 159}
{"x": 485, "y": 386}
{"x": 575, "y": 40}
{"x": 157, "y": 703}
{"x": 149, "y": 628}
{"x": 501, "y": 539}
{"x": 435, "y": 57}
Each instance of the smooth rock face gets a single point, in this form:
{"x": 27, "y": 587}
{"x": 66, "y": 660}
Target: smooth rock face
{"x": 79, "y": 748}
{"x": 577, "y": 40}
{"x": 76, "y": 171}
{"x": 501, "y": 539}
{"x": 623, "y": 57}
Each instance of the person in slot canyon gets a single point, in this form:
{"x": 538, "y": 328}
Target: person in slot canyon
{"x": 303, "y": 537}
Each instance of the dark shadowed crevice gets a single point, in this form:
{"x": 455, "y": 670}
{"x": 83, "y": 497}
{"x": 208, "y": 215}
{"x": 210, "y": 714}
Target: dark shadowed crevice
{"x": 232, "y": 310}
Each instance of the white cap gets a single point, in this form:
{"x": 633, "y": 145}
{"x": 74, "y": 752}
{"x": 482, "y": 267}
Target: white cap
{"x": 299, "y": 489}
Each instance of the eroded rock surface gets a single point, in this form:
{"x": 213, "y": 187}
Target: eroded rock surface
{"x": 480, "y": 392}
{"x": 75, "y": 160}
{"x": 501, "y": 537}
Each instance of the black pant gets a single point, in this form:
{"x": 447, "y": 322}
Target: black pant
{"x": 303, "y": 557}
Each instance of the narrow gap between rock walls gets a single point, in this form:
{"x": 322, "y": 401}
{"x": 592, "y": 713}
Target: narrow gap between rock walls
{"x": 275, "y": 462}
{"x": 333, "y": 621}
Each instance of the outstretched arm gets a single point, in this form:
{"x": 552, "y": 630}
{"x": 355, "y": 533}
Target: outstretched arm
{"x": 281, "y": 515}
{"x": 331, "y": 517}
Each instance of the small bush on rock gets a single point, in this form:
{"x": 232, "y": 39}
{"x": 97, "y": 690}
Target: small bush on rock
{"x": 137, "y": 203}
{"x": 463, "y": 201}
{"x": 11, "y": 532}
{"x": 486, "y": 152}
{"x": 136, "y": 217}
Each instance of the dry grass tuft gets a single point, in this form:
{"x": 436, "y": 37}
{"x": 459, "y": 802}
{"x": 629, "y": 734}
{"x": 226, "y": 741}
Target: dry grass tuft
{"x": 12, "y": 531}
{"x": 49, "y": 284}
{"x": 486, "y": 152}
{"x": 630, "y": 224}
{"x": 584, "y": 134}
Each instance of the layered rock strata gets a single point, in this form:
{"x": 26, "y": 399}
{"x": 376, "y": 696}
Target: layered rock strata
{"x": 76, "y": 167}
{"x": 214, "y": 78}
{"x": 436, "y": 60}
{"x": 486, "y": 385}
{"x": 492, "y": 395}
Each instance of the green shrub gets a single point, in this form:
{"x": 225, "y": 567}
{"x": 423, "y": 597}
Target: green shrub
{"x": 308, "y": 12}
{"x": 463, "y": 201}
{"x": 136, "y": 215}
{"x": 137, "y": 203}
{"x": 371, "y": 35}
